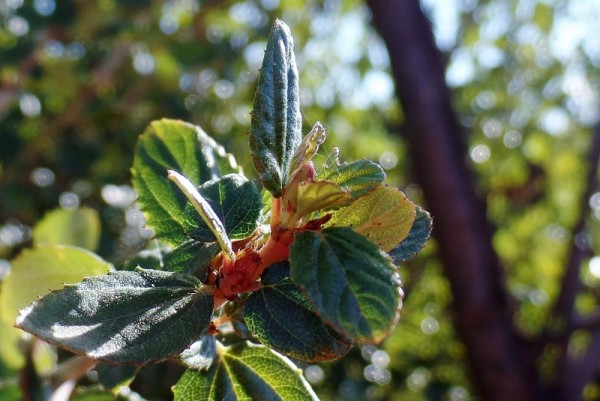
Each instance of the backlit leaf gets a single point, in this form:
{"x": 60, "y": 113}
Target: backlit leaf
{"x": 126, "y": 316}
{"x": 276, "y": 129}
{"x": 358, "y": 177}
{"x": 281, "y": 317}
{"x": 247, "y": 372}
{"x": 349, "y": 282}
{"x": 385, "y": 216}
{"x": 185, "y": 148}
{"x": 416, "y": 239}
{"x": 41, "y": 269}
{"x": 77, "y": 227}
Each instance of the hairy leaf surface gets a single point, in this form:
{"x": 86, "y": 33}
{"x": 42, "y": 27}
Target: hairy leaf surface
{"x": 276, "y": 129}
{"x": 126, "y": 316}
{"x": 281, "y": 317}
{"x": 185, "y": 148}
{"x": 245, "y": 372}
{"x": 384, "y": 216}
{"x": 358, "y": 177}
{"x": 349, "y": 282}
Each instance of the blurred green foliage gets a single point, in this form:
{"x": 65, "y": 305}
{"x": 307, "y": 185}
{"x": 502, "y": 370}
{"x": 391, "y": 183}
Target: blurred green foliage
{"x": 80, "y": 80}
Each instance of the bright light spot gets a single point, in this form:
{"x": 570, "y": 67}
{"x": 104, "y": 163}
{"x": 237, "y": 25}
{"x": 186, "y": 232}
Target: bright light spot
{"x": 556, "y": 233}
{"x": 134, "y": 217}
{"x": 457, "y": 393}
{"x": 54, "y": 48}
{"x": 69, "y": 200}
{"x": 13, "y": 4}
{"x": 594, "y": 201}
{"x": 512, "y": 139}
{"x": 492, "y": 128}
{"x": 75, "y": 50}
{"x": 42, "y": 177}
{"x": 461, "y": 69}
{"x": 215, "y": 33}
{"x": 314, "y": 374}
{"x": 253, "y": 55}
{"x": 379, "y": 86}
{"x": 555, "y": 121}
{"x": 269, "y": 4}
{"x": 44, "y": 7}
{"x": 224, "y": 89}
{"x": 169, "y": 24}
{"x": 187, "y": 82}
{"x": 445, "y": 16}
{"x": 388, "y": 160}
{"x": 376, "y": 374}
{"x": 418, "y": 379}
{"x": 480, "y": 153}
{"x": 30, "y": 105}
{"x": 238, "y": 40}
{"x": 380, "y": 358}
{"x": 249, "y": 14}
{"x": 221, "y": 124}
{"x": 144, "y": 63}
{"x": 538, "y": 297}
{"x": 18, "y": 26}
{"x": 594, "y": 266}
{"x": 12, "y": 234}
{"x": 119, "y": 196}
{"x": 4, "y": 268}
{"x": 367, "y": 351}
{"x": 485, "y": 100}
{"x": 430, "y": 325}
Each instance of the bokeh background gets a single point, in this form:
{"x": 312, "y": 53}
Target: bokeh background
{"x": 80, "y": 80}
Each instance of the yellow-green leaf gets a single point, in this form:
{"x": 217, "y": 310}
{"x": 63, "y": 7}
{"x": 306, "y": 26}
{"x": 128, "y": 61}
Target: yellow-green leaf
{"x": 385, "y": 216}
{"x": 78, "y": 227}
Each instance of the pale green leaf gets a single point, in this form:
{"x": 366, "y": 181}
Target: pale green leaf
{"x": 77, "y": 227}
{"x": 385, "y": 216}
{"x": 37, "y": 271}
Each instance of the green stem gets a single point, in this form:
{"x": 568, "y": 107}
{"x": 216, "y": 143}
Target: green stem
{"x": 205, "y": 211}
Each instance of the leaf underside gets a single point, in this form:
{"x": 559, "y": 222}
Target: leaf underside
{"x": 416, "y": 239}
{"x": 123, "y": 317}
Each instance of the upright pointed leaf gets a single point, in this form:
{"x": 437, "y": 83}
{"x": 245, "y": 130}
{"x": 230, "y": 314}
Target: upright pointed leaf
{"x": 276, "y": 129}
{"x": 281, "y": 317}
{"x": 171, "y": 144}
{"x": 349, "y": 282}
{"x": 385, "y": 216}
{"x": 416, "y": 239}
{"x": 41, "y": 269}
{"x": 129, "y": 317}
{"x": 245, "y": 372}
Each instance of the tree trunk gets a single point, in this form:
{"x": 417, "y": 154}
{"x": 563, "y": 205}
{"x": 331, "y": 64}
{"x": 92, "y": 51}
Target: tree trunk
{"x": 501, "y": 369}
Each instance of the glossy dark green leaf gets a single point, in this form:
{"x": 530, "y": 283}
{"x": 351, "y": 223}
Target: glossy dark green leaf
{"x": 416, "y": 239}
{"x": 350, "y": 283}
{"x": 276, "y": 129}
{"x": 357, "y": 177}
{"x": 236, "y": 202}
{"x": 130, "y": 317}
{"x": 245, "y": 372}
{"x": 185, "y": 148}
{"x": 281, "y": 317}
{"x": 200, "y": 354}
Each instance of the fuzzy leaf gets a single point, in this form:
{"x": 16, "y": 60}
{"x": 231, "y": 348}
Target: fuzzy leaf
{"x": 349, "y": 282}
{"x": 276, "y": 129}
{"x": 358, "y": 177}
{"x": 78, "y": 227}
{"x": 191, "y": 257}
{"x": 281, "y": 317}
{"x": 320, "y": 195}
{"x": 200, "y": 354}
{"x": 416, "y": 239}
{"x": 128, "y": 317}
{"x": 245, "y": 372}
{"x": 235, "y": 201}
{"x": 385, "y": 216}
{"x": 308, "y": 148}
{"x": 170, "y": 144}
{"x": 41, "y": 269}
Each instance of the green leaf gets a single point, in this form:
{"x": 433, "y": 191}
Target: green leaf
{"x": 320, "y": 195}
{"x": 236, "y": 202}
{"x": 77, "y": 227}
{"x": 129, "y": 317}
{"x": 191, "y": 257}
{"x": 281, "y": 317}
{"x": 200, "y": 354}
{"x": 416, "y": 239}
{"x": 358, "y": 177}
{"x": 10, "y": 391}
{"x": 276, "y": 129}
{"x": 385, "y": 216}
{"x": 93, "y": 395}
{"x": 308, "y": 148}
{"x": 36, "y": 271}
{"x": 171, "y": 144}
{"x": 350, "y": 283}
{"x": 115, "y": 377}
{"x": 245, "y": 372}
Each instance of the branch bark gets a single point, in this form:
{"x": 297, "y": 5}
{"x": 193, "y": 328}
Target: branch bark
{"x": 501, "y": 369}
